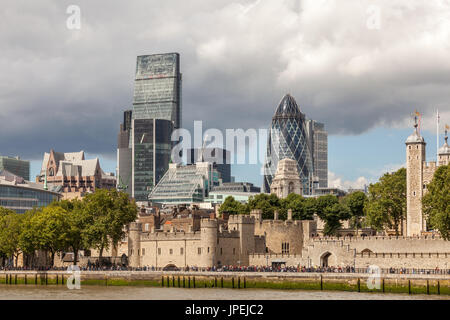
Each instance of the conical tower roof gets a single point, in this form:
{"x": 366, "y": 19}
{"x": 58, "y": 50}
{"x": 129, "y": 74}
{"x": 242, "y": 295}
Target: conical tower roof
{"x": 287, "y": 107}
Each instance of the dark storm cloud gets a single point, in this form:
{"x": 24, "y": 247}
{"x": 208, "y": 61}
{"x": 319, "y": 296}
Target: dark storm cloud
{"x": 66, "y": 89}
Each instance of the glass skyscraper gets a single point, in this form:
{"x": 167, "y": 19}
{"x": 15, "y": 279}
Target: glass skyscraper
{"x": 305, "y": 141}
{"x": 156, "y": 113}
{"x": 151, "y": 154}
{"x": 157, "y": 88}
{"x": 16, "y": 166}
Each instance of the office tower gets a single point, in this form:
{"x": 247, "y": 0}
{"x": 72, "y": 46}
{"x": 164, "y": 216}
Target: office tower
{"x": 124, "y": 154}
{"x": 157, "y": 88}
{"x": 151, "y": 151}
{"x": 295, "y": 137}
{"x": 219, "y": 158}
{"x": 318, "y": 141}
{"x": 16, "y": 166}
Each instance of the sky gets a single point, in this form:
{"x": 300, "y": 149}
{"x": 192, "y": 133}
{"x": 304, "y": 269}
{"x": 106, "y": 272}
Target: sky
{"x": 361, "y": 67}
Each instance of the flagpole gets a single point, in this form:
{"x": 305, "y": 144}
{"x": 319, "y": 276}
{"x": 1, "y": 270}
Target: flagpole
{"x": 437, "y": 137}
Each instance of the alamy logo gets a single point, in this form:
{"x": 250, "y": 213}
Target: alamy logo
{"x": 373, "y": 281}
{"x": 73, "y": 282}
{"x": 73, "y": 22}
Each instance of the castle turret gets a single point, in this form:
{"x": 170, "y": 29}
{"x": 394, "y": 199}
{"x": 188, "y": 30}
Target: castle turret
{"x": 444, "y": 151}
{"x": 415, "y": 157}
{"x": 134, "y": 244}
{"x": 209, "y": 229}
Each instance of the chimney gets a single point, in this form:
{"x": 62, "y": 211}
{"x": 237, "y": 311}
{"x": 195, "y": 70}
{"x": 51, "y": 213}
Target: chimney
{"x": 275, "y": 215}
{"x": 289, "y": 214}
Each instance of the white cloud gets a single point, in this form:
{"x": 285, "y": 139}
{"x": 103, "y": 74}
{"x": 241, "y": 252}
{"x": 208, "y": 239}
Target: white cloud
{"x": 335, "y": 181}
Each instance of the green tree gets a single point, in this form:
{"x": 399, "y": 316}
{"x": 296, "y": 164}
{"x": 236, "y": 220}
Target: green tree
{"x": 436, "y": 202}
{"x": 77, "y": 221}
{"x": 297, "y": 204}
{"x": 231, "y": 206}
{"x": 390, "y": 195}
{"x": 46, "y": 230}
{"x": 333, "y": 215}
{"x": 266, "y": 203}
{"x": 356, "y": 202}
{"x": 108, "y": 211}
{"x": 10, "y": 229}
{"x": 331, "y": 212}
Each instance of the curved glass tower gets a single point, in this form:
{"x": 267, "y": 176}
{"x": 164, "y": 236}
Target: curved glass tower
{"x": 288, "y": 138}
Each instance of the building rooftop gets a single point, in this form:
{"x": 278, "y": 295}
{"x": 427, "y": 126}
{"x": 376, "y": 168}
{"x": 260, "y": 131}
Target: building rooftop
{"x": 9, "y": 179}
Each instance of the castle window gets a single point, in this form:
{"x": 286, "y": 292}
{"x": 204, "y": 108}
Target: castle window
{"x": 138, "y": 251}
{"x": 414, "y": 193}
{"x": 208, "y": 249}
{"x": 409, "y": 147}
{"x": 285, "y": 247}
{"x": 159, "y": 251}
{"x": 146, "y": 227}
{"x": 221, "y": 251}
{"x": 170, "y": 251}
{"x": 181, "y": 251}
{"x": 234, "y": 250}
{"x": 143, "y": 252}
{"x": 199, "y": 250}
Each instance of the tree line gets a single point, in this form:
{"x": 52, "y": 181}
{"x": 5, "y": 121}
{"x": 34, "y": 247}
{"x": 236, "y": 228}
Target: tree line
{"x": 383, "y": 208}
{"x": 95, "y": 222}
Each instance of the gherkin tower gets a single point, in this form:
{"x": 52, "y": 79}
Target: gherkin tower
{"x": 288, "y": 138}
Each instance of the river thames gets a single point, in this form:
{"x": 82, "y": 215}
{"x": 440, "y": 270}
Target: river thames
{"x": 22, "y": 292}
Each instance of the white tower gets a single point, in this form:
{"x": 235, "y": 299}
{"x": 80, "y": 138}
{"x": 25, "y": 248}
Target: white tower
{"x": 415, "y": 157}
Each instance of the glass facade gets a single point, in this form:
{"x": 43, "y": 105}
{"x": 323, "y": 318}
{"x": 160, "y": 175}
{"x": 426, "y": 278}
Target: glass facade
{"x": 151, "y": 154}
{"x": 288, "y": 138}
{"x": 16, "y": 166}
{"x": 21, "y": 199}
{"x": 157, "y": 88}
{"x": 183, "y": 184}
{"x": 320, "y": 145}
{"x": 220, "y": 159}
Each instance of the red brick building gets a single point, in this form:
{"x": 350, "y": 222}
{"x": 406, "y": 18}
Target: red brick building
{"x": 72, "y": 175}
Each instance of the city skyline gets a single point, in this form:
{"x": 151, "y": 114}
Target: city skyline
{"x": 362, "y": 81}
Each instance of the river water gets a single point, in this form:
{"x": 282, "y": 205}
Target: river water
{"x": 23, "y": 292}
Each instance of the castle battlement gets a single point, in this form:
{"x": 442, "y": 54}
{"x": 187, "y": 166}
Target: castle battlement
{"x": 280, "y": 222}
{"x": 180, "y": 235}
{"x": 367, "y": 238}
{"x": 431, "y": 165}
{"x": 242, "y": 219}
{"x": 403, "y": 255}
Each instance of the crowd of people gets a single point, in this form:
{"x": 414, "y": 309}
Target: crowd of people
{"x": 231, "y": 268}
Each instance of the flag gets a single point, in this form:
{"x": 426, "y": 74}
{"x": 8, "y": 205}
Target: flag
{"x": 447, "y": 127}
{"x": 417, "y": 113}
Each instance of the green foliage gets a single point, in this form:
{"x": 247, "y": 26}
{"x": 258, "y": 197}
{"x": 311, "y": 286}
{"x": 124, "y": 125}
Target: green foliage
{"x": 356, "y": 202}
{"x": 94, "y": 222}
{"x": 386, "y": 205}
{"x": 231, "y": 206}
{"x": 266, "y": 203}
{"x": 10, "y": 229}
{"x": 106, "y": 212}
{"x": 436, "y": 203}
{"x": 298, "y": 205}
{"x": 331, "y": 212}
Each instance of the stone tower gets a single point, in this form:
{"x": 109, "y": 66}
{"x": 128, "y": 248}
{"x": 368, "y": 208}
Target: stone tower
{"x": 415, "y": 158}
{"x": 134, "y": 244}
{"x": 444, "y": 152}
{"x": 286, "y": 179}
{"x": 246, "y": 226}
{"x": 209, "y": 229}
